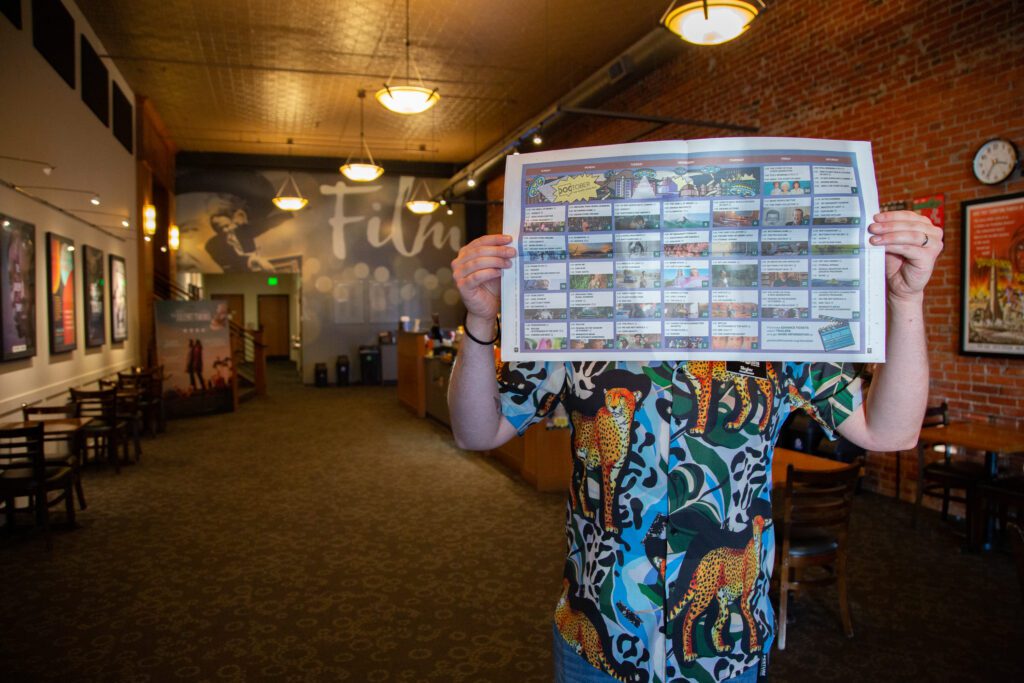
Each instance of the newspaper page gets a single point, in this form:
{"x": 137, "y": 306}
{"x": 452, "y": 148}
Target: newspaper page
{"x": 726, "y": 249}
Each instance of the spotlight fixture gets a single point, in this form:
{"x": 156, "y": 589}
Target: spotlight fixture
{"x": 450, "y": 211}
{"x": 94, "y": 200}
{"x": 47, "y": 169}
{"x": 422, "y": 203}
{"x": 163, "y": 248}
{"x": 515, "y": 150}
{"x": 471, "y": 182}
{"x": 443, "y": 201}
{"x": 174, "y": 237}
{"x": 408, "y": 98}
{"x": 362, "y": 170}
{"x": 94, "y": 197}
{"x": 537, "y": 139}
{"x": 148, "y": 221}
{"x": 125, "y": 223}
{"x": 710, "y": 22}
{"x": 289, "y": 201}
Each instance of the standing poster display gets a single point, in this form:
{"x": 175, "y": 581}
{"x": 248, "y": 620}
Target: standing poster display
{"x": 17, "y": 288}
{"x": 60, "y": 278}
{"x": 731, "y": 248}
{"x": 118, "y": 300}
{"x": 92, "y": 296}
{"x": 194, "y": 346}
{"x": 992, "y": 294}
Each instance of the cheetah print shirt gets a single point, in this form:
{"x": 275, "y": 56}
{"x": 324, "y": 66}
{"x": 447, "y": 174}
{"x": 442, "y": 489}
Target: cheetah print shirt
{"x": 670, "y": 543}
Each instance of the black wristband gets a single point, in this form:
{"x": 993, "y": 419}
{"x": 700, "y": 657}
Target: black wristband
{"x": 465, "y": 326}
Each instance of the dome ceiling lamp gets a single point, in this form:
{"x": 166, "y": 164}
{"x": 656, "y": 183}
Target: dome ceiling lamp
{"x": 289, "y": 200}
{"x": 362, "y": 170}
{"x": 711, "y": 22}
{"x": 408, "y": 98}
{"x": 422, "y": 202}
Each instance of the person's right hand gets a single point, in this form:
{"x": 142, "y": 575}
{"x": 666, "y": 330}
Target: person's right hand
{"x": 477, "y": 271}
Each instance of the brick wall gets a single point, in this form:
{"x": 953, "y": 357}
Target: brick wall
{"x": 926, "y": 82}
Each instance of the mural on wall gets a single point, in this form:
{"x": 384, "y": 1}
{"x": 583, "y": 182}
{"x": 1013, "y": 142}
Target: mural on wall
{"x": 17, "y": 288}
{"x": 60, "y": 277}
{"x": 364, "y": 259}
{"x": 92, "y": 296}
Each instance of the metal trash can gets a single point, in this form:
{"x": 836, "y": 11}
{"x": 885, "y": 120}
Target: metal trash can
{"x": 320, "y": 374}
{"x": 341, "y": 368}
{"x": 369, "y": 364}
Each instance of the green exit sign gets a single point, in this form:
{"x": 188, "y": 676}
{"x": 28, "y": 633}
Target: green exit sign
{"x": 272, "y": 281}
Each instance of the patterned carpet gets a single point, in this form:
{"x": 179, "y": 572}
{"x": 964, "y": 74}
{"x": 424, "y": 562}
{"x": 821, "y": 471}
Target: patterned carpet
{"x": 327, "y": 535}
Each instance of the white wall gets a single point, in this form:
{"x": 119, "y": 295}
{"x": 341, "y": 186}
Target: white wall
{"x": 42, "y": 118}
{"x": 251, "y": 285}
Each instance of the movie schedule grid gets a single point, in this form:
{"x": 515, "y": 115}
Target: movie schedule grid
{"x": 700, "y": 254}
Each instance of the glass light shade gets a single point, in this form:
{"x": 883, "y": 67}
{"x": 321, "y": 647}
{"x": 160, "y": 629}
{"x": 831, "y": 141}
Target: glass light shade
{"x": 726, "y": 20}
{"x": 174, "y": 237}
{"x": 290, "y": 203}
{"x": 422, "y": 206}
{"x": 149, "y": 220}
{"x": 407, "y": 99}
{"x": 361, "y": 172}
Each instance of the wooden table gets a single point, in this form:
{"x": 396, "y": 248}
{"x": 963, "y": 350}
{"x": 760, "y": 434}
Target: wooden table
{"x": 785, "y": 457}
{"x": 57, "y": 429}
{"x": 976, "y": 436}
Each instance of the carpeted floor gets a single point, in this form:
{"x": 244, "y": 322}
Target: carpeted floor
{"x": 326, "y": 534}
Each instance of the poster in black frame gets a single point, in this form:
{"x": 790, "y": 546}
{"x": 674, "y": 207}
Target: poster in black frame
{"x": 17, "y": 289}
{"x": 60, "y": 282}
{"x": 992, "y": 277}
{"x": 118, "y": 299}
{"x": 93, "y": 297}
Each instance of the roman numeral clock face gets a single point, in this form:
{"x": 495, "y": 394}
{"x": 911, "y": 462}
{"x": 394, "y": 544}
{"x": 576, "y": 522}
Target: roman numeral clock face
{"x": 995, "y": 161}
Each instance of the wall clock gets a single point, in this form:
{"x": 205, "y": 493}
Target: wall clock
{"x": 995, "y": 161}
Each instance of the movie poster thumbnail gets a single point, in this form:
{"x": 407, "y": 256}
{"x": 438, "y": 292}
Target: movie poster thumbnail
{"x": 118, "y": 299}
{"x": 638, "y": 274}
{"x": 836, "y": 211}
{"x": 596, "y": 246}
{"x": 17, "y": 288}
{"x": 545, "y": 336}
{"x": 544, "y": 277}
{"x": 686, "y": 244}
{"x": 734, "y": 303}
{"x": 783, "y": 211}
{"x": 736, "y": 243}
{"x": 633, "y": 305}
{"x": 784, "y": 303}
{"x": 687, "y": 304}
{"x": 783, "y": 273}
{"x": 781, "y": 242}
{"x": 93, "y": 296}
{"x": 590, "y": 218}
{"x": 726, "y": 274}
{"x": 787, "y": 180}
{"x": 591, "y": 275}
{"x": 540, "y": 306}
{"x": 60, "y": 263}
{"x": 595, "y": 336}
{"x": 544, "y": 219}
{"x": 637, "y": 246}
{"x": 736, "y": 213}
{"x": 591, "y": 305}
{"x": 729, "y": 335}
{"x": 836, "y": 241}
{"x": 638, "y": 334}
{"x": 682, "y": 215}
{"x": 638, "y": 216}
{"x": 687, "y": 274}
{"x": 686, "y": 334}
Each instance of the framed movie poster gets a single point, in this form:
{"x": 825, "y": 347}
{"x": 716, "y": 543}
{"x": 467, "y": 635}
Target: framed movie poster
{"x": 992, "y": 295}
{"x": 60, "y": 278}
{"x": 92, "y": 296}
{"x": 118, "y": 300}
{"x": 17, "y": 288}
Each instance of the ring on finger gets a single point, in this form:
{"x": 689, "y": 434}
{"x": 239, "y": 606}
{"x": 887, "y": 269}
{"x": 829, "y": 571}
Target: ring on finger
{"x": 925, "y": 243}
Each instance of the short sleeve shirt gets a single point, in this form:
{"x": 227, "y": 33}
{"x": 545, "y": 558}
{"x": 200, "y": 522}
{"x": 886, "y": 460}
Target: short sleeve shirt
{"x": 670, "y": 541}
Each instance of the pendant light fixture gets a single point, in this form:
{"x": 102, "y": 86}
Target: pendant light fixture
{"x": 148, "y": 222}
{"x": 293, "y": 200}
{"x": 710, "y": 22}
{"x": 173, "y": 237}
{"x": 362, "y": 170}
{"x": 408, "y": 98}
{"x": 422, "y": 203}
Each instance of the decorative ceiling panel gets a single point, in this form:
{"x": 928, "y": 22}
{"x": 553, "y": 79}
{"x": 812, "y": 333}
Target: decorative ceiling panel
{"x": 247, "y": 75}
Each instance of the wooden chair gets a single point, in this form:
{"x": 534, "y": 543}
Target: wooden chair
{"x": 73, "y": 458}
{"x": 149, "y": 384}
{"x": 106, "y": 432}
{"x": 129, "y": 409}
{"x": 816, "y": 509}
{"x": 938, "y": 479}
{"x": 995, "y": 498}
{"x": 1017, "y": 542}
{"x": 24, "y": 472}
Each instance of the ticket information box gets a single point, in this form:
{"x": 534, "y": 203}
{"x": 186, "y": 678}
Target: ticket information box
{"x": 726, "y": 249}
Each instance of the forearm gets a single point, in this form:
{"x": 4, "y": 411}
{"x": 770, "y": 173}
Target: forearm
{"x": 477, "y": 421}
{"x": 895, "y": 403}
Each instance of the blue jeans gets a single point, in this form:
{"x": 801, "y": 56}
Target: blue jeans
{"x": 572, "y": 668}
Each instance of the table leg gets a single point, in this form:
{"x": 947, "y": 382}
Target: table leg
{"x": 988, "y": 522}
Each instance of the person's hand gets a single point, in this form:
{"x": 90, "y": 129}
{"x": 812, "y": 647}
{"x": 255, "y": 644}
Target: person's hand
{"x": 912, "y": 243}
{"x": 477, "y": 271}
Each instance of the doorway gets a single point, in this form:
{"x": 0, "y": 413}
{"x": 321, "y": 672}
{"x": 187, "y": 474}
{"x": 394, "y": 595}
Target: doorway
{"x": 273, "y": 313}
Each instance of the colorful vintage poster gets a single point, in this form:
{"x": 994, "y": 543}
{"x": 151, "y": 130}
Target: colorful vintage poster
{"x": 732, "y": 249}
{"x": 932, "y": 207}
{"x": 118, "y": 300}
{"x": 17, "y": 288}
{"x": 194, "y": 347}
{"x": 993, "y": 287}
{"x": 60, "y": 263}
{"x": 92, "y": 296}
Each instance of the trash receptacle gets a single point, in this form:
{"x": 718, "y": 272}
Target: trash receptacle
{"x": 320, "y": 374}
{"x": 341, "y": 368}
{"x": 369, "y": 364}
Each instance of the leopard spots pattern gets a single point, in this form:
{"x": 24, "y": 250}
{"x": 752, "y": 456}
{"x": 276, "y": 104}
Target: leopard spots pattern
{"x": 581, "y": 635}
{"x": 702, "y": 376}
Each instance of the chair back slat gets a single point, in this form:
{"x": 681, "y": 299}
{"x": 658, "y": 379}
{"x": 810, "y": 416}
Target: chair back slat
{"x": 21, "y": 448}
{"x": 100, "y": 404}
{"x": 820, "y": 499}
{"x": 37, "y": 413}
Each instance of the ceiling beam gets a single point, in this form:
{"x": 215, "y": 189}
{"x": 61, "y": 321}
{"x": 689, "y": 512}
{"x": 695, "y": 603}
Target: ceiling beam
{"x": 651, "y": 118}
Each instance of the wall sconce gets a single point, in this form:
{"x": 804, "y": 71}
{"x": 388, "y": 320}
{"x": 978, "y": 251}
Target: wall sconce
{"x": 94, "y": 197}
{"x": 148, "y": 222}
{"x": 710, "y": 22}
{"x": 173, "y": 237}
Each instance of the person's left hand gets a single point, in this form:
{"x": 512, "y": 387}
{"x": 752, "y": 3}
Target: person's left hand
{"x": 912, "y": 243}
